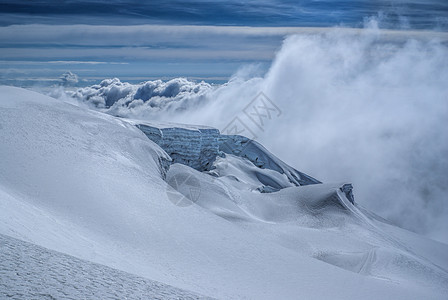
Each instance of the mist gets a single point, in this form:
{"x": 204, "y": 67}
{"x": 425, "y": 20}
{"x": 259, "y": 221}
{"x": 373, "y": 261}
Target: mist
{"x": 371, "y": 113}
{"x": 367, "y": 107}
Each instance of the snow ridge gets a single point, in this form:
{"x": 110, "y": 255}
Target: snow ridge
{"x": 253, "y": 151}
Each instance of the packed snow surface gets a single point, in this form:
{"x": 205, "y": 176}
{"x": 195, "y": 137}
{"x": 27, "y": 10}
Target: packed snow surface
{"x": 94, "y": 187}
{"x": 32, "y": 272}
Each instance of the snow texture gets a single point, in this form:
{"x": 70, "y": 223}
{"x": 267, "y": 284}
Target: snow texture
{"x": 28, "y": 271}
{"x": 92, "y": 186}
{"x": 262, "y": 158}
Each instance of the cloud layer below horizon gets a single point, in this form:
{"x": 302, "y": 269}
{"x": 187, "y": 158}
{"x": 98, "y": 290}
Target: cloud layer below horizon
{"x": 36, "y": 53}
{"x": 199, "y": 39}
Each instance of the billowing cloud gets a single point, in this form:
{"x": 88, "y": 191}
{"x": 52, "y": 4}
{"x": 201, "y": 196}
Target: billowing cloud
{"x": 125, "y": 99}
{"x": 141, "y": 51}
{"x": 69, "y": 78}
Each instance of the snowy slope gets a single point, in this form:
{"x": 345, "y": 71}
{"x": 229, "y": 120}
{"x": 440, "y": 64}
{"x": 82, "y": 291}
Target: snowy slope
{"x": 32, "y": 272}
{"x": 92, "y": 186}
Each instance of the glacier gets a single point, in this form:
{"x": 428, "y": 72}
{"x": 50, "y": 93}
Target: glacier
{"x": 93, "y": 190}
{"x": 194, "y": 146}
{"x": 199, "y": 146}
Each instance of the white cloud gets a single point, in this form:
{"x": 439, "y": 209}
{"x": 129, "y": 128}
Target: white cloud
{"x": 69, "y": 78}
{"x": 125, "y": 99}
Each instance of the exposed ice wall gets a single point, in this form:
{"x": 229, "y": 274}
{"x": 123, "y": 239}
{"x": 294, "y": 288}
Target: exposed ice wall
{"x": 198, "y": 147}
{"x": 193, "y": 146}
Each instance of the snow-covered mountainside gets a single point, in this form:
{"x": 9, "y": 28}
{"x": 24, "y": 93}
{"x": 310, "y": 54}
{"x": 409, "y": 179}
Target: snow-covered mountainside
{"x": 32, "y": 272}
{"x": 246, "y": 226}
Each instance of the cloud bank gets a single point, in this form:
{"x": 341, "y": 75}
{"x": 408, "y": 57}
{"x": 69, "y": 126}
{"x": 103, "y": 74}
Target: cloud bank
{"x": 144, "y": 52}
{"x": 125, "y": 99}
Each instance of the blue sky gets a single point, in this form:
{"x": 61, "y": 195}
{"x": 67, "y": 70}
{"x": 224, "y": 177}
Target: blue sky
{"x": 140, "y": 40}
{"x": 249, "y": 13}
{"x": 230, "y": 12}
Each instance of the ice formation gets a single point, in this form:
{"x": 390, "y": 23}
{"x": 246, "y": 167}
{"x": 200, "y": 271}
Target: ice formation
{"x": 194, "y": 146}
{"x": 198, "y": 147}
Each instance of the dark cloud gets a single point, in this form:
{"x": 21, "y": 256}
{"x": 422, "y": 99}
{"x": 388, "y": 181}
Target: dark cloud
{"x": 253, "y": 13}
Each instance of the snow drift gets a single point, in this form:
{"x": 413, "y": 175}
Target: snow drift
{"x": 93, "y": 186}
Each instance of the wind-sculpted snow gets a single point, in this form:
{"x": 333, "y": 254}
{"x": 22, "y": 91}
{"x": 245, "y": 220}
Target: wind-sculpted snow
{"x": 324, "y": 207}
{"x": 28, "y": 271}
{"x": 92, "y": 186}
{"x": 262, "y": 158}
{"x": 119, "y": 97}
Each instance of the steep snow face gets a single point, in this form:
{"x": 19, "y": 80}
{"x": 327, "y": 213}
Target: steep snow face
{"x": 241, "y": 169}
{"x": 92, "y": 186}
{"x": 262, "y": 158}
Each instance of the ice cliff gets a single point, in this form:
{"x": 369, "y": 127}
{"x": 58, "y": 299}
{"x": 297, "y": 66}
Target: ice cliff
{"x": 198, "y": 147}
{"x": 194, "y": 146}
